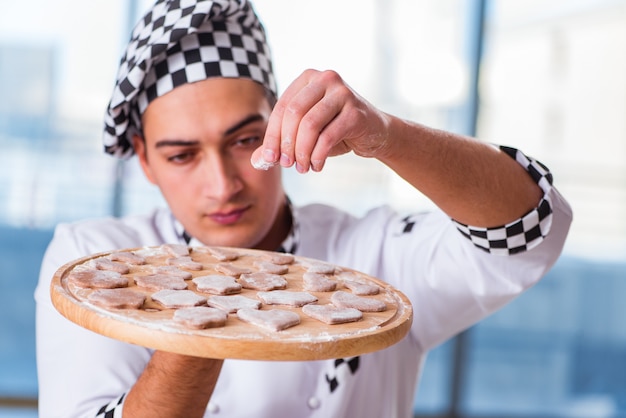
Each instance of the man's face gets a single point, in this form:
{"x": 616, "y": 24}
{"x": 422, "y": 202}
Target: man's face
{"x": 198, "y": 140}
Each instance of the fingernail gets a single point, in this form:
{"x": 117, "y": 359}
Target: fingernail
{"x": 269, "y": 155}
{"x": 300, "y": 168}
{"x": 285, "y": 160}
{"x": 317, "y": 165}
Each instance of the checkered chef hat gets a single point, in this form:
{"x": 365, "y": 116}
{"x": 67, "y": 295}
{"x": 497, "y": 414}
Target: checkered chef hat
{"x": 179, "y": 42}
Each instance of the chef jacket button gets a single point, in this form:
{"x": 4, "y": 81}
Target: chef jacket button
{"x": 314, "y": 402}
{"x": 213, "y": 408}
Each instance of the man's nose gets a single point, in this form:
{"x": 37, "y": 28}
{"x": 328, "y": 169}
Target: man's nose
{"x": 221, "y": 178}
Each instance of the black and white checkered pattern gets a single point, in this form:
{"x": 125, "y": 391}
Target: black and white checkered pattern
{"x": 112, "y": 409}
{"x": 339, "y": 373}
{"x": 179, "y": 42}
{"x": 526, "y": 232}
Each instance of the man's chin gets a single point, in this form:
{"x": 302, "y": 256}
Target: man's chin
{"x": 227, "y": 240}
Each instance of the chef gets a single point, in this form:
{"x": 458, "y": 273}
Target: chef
{"x": 196, "y": 102}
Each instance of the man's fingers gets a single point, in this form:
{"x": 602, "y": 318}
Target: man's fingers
{"x": 310, "y": 121}
{"x": 272, "y": 143}
{"x": 314, "y": 141}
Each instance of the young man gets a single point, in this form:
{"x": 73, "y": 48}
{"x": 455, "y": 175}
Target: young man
{"x": 195, "y": 101}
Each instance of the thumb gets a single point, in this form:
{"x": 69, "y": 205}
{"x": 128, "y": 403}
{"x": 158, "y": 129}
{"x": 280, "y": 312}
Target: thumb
{"x": 258, "y": 161}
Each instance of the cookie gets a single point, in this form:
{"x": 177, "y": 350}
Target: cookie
{"x": 128, "y": 258}
{"x": 280, "y": 258}
{"x": 343, "y": 299}
{"x": 175, "y": 250}
{"x": 97, "y": 279}
{"x": 273, "y": 319}
{"x": 160, "y": 281}
{"x": 122, "y": 298}
{"x": 263, "y": 281}
{"x": 185, "y": 262}
{"x": 171, "y": 271}
{"x": 200, "y": 317}
{"x": 286, "y": 297}
{"x": 330, "y": 314}
{"x": 103, "y": 263}
{"x": 217, "y": 284}
{"x": 222, "y": 254}
{"x": 232, "y": 304}
{"x": 231, "y": 269}
{"x": 269, "y": 267}
{"x": 316, "y": 282}
{"x": 178, "y": 298}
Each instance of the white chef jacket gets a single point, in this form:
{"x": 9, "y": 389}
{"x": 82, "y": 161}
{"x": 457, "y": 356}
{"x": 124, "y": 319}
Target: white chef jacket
{"x": 451, "y": 283}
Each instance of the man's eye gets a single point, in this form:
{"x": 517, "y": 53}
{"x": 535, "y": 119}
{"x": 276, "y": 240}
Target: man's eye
{"x": 248, "y": 141}
{"x": 180, "y": 158}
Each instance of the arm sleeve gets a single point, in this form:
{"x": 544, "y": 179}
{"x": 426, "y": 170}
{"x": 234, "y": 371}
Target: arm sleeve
{"x": 80, "y": 373}
{"x": 526, "y": 232}
{"x": 456, "y": 279}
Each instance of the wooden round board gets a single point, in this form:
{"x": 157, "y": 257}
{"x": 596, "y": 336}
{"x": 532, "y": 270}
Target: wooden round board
{"x": 152, "y": 325}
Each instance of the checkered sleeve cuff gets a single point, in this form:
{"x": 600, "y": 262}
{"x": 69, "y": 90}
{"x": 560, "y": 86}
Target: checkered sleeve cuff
{"x": 112, "y": 409}
{"x": 524, "y": 233}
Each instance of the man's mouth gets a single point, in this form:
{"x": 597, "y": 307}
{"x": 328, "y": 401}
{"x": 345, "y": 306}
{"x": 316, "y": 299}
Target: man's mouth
{"x": 228, "y": 217}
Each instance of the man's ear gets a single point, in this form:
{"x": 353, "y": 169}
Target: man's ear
{"x": 139, "y": 146}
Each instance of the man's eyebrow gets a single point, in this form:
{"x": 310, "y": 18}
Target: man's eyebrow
{"x": 250, "y": 119}
{"x": 175, "y": 143}
{"x": 190, "y": 142}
